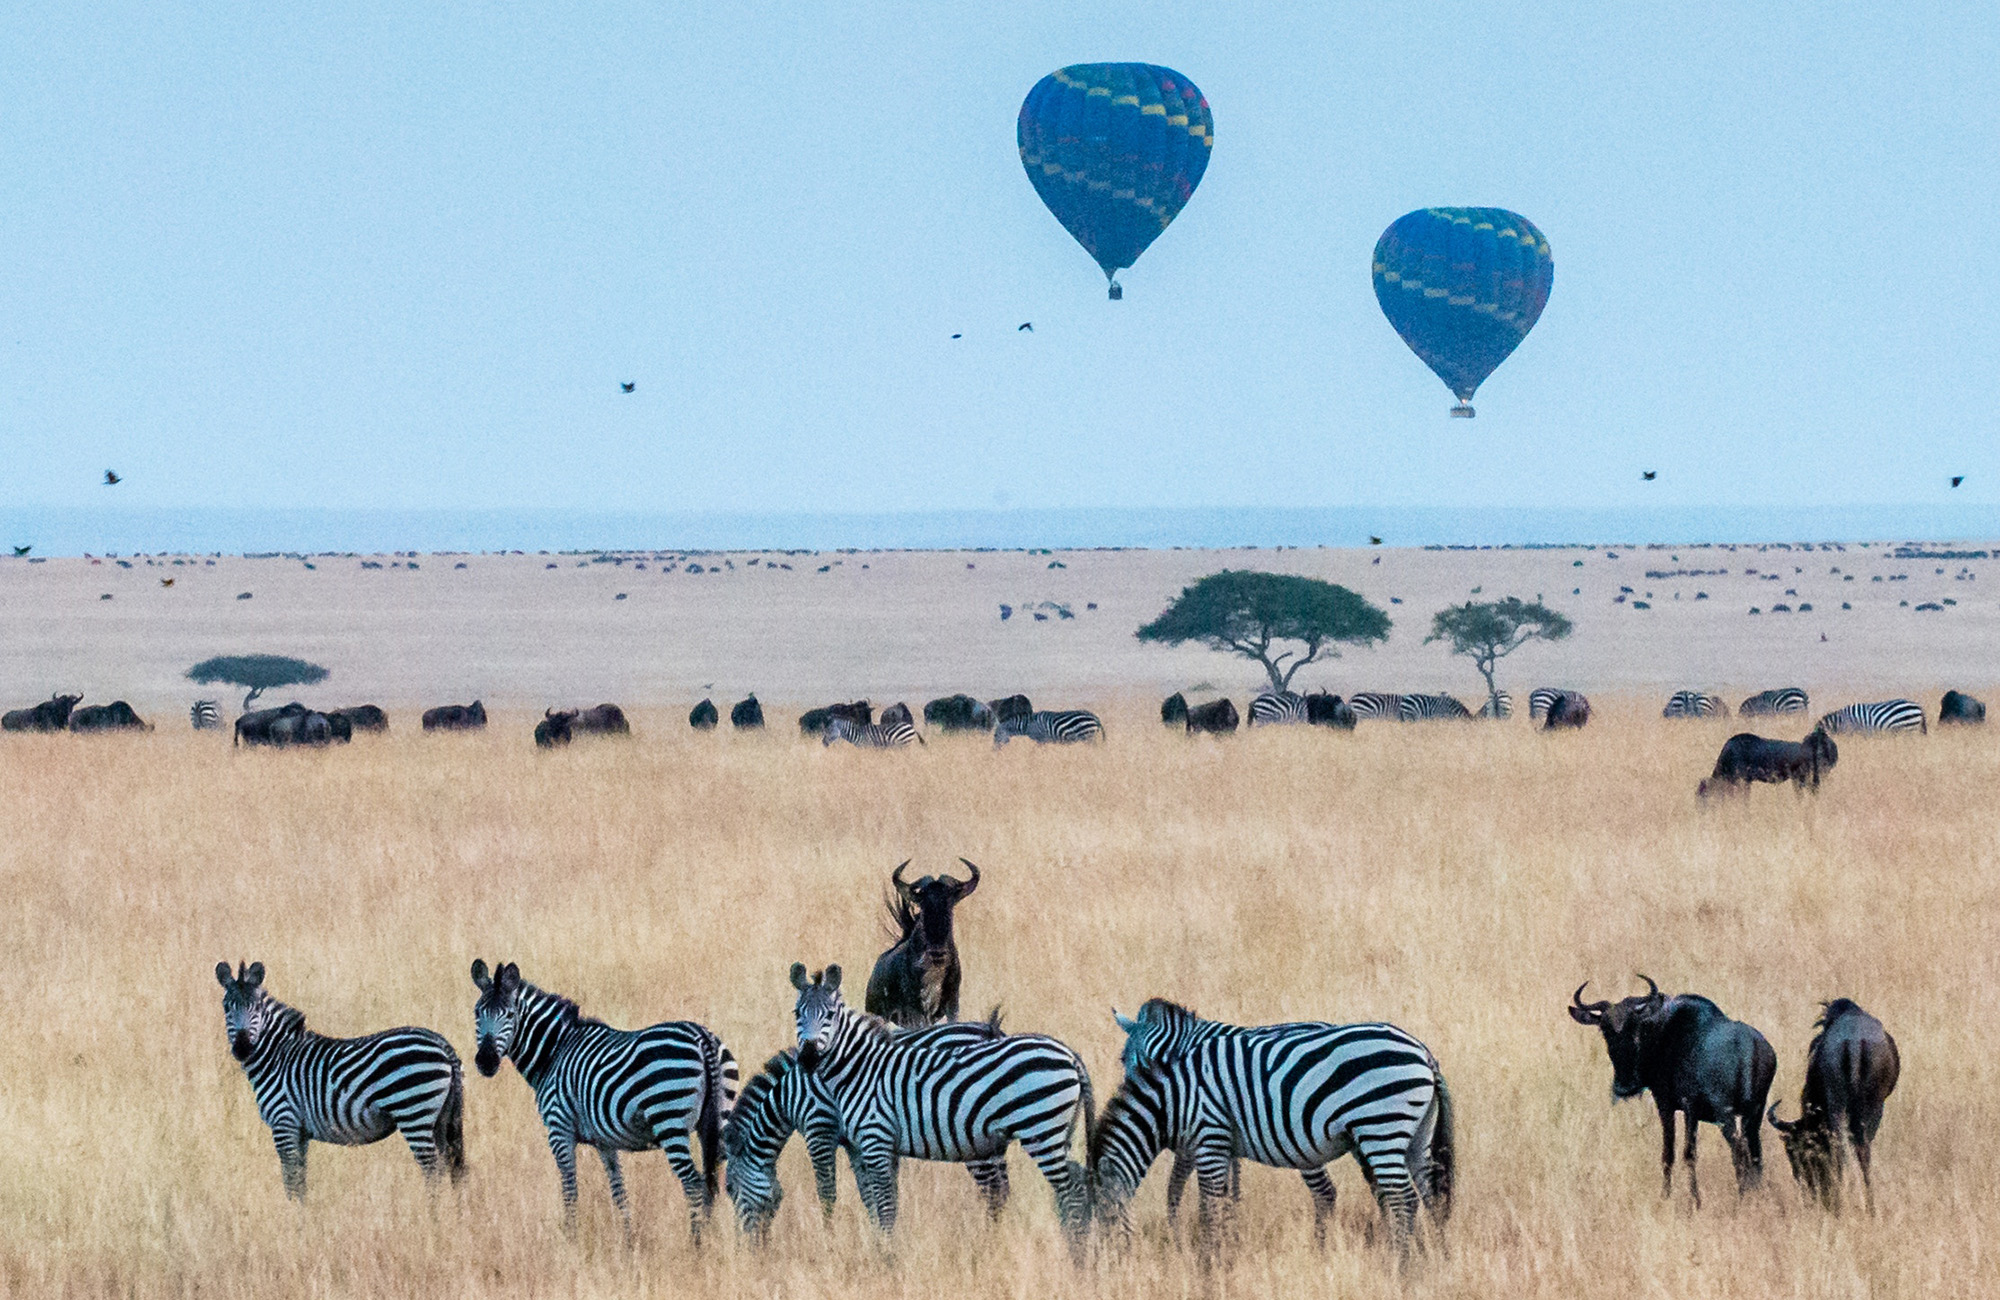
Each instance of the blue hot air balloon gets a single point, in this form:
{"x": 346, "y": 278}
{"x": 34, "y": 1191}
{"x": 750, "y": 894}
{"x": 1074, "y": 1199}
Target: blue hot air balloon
{"x": 1115, "y": 150}
{"x": 1463, "y": 286}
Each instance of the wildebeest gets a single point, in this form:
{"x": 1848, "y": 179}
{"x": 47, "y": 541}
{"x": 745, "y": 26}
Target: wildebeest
{"x": 293, "y": 724}
{"x": 455, "y": 717}
{"x": 1746, "y": 757}
{"x": 1956, "y": 708}
{"x": 747, "y": 715}
{"x": 1569, "y": 709}
{"x": 813, "y": 721}
{"x": 1011, "y": 706}
{"x": 703, "y": 717}
{"x": 1174, "y": 710}
{"x": 254, "y": 728}
{"x": 555, "y": 728}
{"x": 916, "y": 981}
{"x": 361, "y": 717}
{"x": 115, "y": 716}
{"x": 1851, "y": 1068}
{"x": 958, "y": 713}
{"x": 51, "y": 714}
{"x": 1324, "y": 709}
{"x": 1694, "y": 1060}
{"x": 609, "y": 720}
{"x": 1217, "y": 718}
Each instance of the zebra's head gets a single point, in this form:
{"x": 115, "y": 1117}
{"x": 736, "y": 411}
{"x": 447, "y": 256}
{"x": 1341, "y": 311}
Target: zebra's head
{"x": 495, "y": 1015}
{"x": 1150, "y": 1037}
{"x": 246, "y": 1007}
{"x": 818, "y": 1012}
{"x": 752, "y": 1140}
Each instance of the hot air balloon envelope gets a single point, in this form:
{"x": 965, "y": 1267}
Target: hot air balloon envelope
{"x": 1115, "y": 150}
{"x": 1463, "y": 286}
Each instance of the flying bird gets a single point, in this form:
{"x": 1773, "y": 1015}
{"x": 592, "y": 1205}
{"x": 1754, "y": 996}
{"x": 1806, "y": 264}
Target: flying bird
{"x": 111, "y": 479}
{"x": 958, "y": 336}
{"x": 166, "y": 582}
{"x": 624, "y": 387}
{"x": 20, "y": 551}
{"x": 1649, "y": 474}
{"x": 1374, "y": 540}
{"x": 1027, "y": 325}
{"x": 1957, "y": 479}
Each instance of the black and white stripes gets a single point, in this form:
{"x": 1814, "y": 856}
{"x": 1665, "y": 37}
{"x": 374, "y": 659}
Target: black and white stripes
{"x": 205, "y": 715}
{"x": 1375, "y": 704}
{"x": 896, "y": 730}
{"x": 1883, "y": 715}
{"x": 1277, "y": 709}
{"x": 1765, "y": 704}
{"x": 1428, "y": 708}
{"x": 1060, "y": 727}
{"x": 1694, "y": 704}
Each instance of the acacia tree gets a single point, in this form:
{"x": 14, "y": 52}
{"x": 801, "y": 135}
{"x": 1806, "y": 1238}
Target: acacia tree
{"x": 258, "y": 673}
{"x": 1251, "y": 614}
{"x": 1488, "y": 631}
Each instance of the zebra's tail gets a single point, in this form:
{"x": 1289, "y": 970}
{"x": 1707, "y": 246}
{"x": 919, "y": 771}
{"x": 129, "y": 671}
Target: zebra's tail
{"x": 712, "y": 1108}
{"x": 1088, "y": 1100}
{"x": 1434, "y": 1181}
{"x": 451, "y": 1124}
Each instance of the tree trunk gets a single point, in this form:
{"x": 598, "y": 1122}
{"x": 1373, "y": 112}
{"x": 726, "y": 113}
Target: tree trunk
{"x": 255, "y": 691}
{"x": 1492, "y": 691}
{"x": 1271, "y": 669}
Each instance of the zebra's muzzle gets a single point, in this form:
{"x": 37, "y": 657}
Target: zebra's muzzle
{"x": 809, "y": 1054}
{"x": 487, "y": 1059}
{"x": 239, "y": 1046}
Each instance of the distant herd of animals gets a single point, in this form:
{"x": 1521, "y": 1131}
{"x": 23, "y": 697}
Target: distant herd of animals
{"x": 905, "y": 1079}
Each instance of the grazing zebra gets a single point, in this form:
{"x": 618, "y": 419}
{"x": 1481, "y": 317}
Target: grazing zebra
{"x": 1277, "y": 708}
{"x": 1057, "y": 727}
{"x": 1884, "y": 715}
{"x": 1765, "y": 704}
{"x": 1542, "y": 697}
{"x": 786, "y": 1098}
{"x": 896, "y": 730}
{"x": 897, "y": 1098}
{"x": 1498, "y": 707}
{"x": 348, "y": 1091}
{"x": 1375, "y": 704}
{"x": 1291, "y": 1096}
{"x": 1694, "y": 704}
{"x": 613, "y": 1089}
{"x": 206, "y": 715}
{"x": 1427, "y": 708}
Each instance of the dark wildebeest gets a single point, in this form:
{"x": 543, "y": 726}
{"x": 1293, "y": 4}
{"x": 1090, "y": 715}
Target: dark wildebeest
{"x": 255, "y": 728}
{"x": 1012, "y": 706}
{"x": 703, "y": 717}
{"x": 115, "y": 716}
{"x": 1174, "y": 710}
{"x": 555, "y": 728}
{"x": 1324, "y": 709}
{"x": 1957, "y": 708}
{"x": 1851, "y": 1069}
{"x": 1694, "y": 1060}
{"x": 1569, "y": 709}
{"x": 361, "y": 717}
{"x": 958, "y": 713}
{"x": 608, "y": 720}
{"x": 915, "y": 983}
{"x": 748, "y": 715}
{"x": 1217, "y": 718}
{"x": 813, "y": 721}
{"x": 51, "y": 714}
{"x": 1746, "y": 758}
{"x": 455, "y": 717}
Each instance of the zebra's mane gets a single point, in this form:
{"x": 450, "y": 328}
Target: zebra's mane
{"x": 1162, "y": 1010}
{"x": 567, "y": 1010}
{"x": 285, "y": 1018}
{"x": 875, "y": 1026}
{"x": 755, "y": 1090}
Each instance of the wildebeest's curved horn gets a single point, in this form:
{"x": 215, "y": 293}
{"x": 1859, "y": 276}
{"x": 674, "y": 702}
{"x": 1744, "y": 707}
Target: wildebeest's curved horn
{"x": 1652, "y": 989}
{"x": 896, "y": 879}
{"x": 1779, "y": 1124}
{"x": 973, "y": 883}
{"x": 548, "y": 713}
{"x": 1586, "y": 1013}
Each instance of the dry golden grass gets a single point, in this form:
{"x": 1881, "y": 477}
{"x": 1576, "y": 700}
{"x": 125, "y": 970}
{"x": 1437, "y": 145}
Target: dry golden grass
{"x": 1458, "y": 880}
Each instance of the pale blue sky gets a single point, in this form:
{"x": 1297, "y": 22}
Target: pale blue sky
{"x": 401, "y": 255}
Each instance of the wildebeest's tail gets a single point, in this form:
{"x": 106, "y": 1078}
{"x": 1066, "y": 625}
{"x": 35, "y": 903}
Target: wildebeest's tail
{"x": 718, "y": 1068}
{"x": 451, "y": 1123}
{"x": 1435, "y": 1173}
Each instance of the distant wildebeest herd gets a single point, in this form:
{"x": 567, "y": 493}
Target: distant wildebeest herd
{"x": 905, "y": 1079}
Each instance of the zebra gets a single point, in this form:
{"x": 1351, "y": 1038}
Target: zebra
{"x": 1427, "y": 708}
{"x": 347, "y": 1091}
{"x": 1694, "y": 704}
{"x": 785, "y": 1098}
{"x": 1057, "y": 727}
{"x": 896, "y": 730}
{"x": 1292, "y": 1096}
{"x": 1542, "y": 697}
{"x": 1375, "y": 704}
{"x": 1274, "y": 708}
{"x": 206, "y": 715}
{"x": 1884, "y": 715}
{"x": 898, "y": 1098}
{"x": 1499, "y": 707}
{"x": 1765, "y": 704}
{"x": 613, "y": 1089}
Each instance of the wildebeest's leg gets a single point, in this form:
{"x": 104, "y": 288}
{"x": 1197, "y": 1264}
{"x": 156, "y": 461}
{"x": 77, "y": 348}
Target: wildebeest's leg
{"x": 1857, "y": 1136}
{"x": 1321, "y": 1187}
{"x": 616, "y": 1177}
{"x": 991, "y": 1178}
{"x": 563, "y": 1147}
{"x": 680, "y": 1155}
{"x": 1666, "y": 1148}
{"x": 1752, "y": 1129}
{"x": 1694, "y": 1184}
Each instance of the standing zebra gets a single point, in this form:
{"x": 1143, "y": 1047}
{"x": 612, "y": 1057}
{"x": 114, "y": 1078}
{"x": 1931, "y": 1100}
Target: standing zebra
{"x": 1884, "y": 715}
{"x": 347, "y": 1091}
{"x": 897, "y": 1098}
{"x": 1499, "y": 707}
{"x": 1291, "y": 1096}
{"x": 1277, "y": 709}
{"x": 1542, "y": 697}
{"x": 1694, "y": 704}
{"x": 613, "y": 1089}
{"x": 896, "y": 730}
{"x": 1375, "y": 704}
{"x": 1057, "y": 727}
{"x": 786, "y": 1098}
{"x": 206, "y": 715}
{"x": 1765, "y": 704}
{"x": 1428, "y": 708}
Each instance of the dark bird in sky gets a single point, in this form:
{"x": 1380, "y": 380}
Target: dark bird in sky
{"x": 20, "y": 551}
{"x": 1027, "y": 325}
{"x": 1957, "y": 479}
{"x": 111, "y": 479}
{"x": 1649, "y": 474}
{"x": 958, "y": 336}
{"x": 624, "y": 387}
{"x": 1374, "y": 540}
{"x": 166, "y": 582}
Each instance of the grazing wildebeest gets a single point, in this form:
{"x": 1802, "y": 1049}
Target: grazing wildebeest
{"x": 606, "y": 720}
{"x": 555, "y": 728}
{"x": 747, "y": 715}
{"x": 1174, "y": 710}
{"x": 1324, "y": 709}
{"x": 51, "y": 714}
{"x": 1569, "y": 709}
{"x": 115, "y": 716}
{"x": 958, "y": 713}
{"x": 455, "y": 717}
{"x": 1959, "y": 709}
{"x": 255, "y": 728}
{"x": 1746, "y": 758}
{"x": 813, "y": 722}
{"x": 1012, "y": 706}
{"x": 1851, "y": 1068}
{"x": 915, "y": 982}
{"x": 1217, "y": 718}
{"x": 703, "y": 717}
{"x": 361, "y": 717}
{"x": 1694, "y": 1060}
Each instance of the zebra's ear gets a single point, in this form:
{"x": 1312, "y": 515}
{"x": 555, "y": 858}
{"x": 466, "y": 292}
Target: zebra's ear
{"x": 1125, "y": 1023}
{"x": 799, "y": 976}
{"x": 222, "y": 973}
{"x": 254, "y": 977}
{"x": 480, "y": 978}
{"x": 831, "y": 980}
{"x": 509, "y": 977}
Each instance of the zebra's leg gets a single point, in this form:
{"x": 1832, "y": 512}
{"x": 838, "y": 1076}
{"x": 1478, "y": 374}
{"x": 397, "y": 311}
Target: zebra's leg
{"x": 615, "y": 1175}
{"x": 876, "y": 1172}
{"x": 1321, "y": 1187}
{"x": 1214, "y": 1169}
{"x": 680, "y": 1154}
{"x": 291, "y": 1144}
{"x": 1388, "y": 1169}
{"x": 562, "y": 1146}
{"x": 991, "y": 1178}
{"x": 1176, "y": 1187}
{"x": 420, "y": 1132}
{"x": 1050, "y": 1152}
{"x": 824, "y": 1148}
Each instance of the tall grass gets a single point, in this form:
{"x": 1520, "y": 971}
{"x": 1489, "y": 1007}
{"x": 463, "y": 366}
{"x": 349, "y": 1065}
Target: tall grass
{"x": 1457, "y": 880}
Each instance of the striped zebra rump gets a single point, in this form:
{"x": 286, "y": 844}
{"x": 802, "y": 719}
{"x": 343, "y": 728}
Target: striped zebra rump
{"x": 1766, "y": 704}
{"x": 1498, "y": 707}
{"x": 205, "y": 715}
{"x": 1277, "y": 709}
{"x": 1051, "y": 727}
{"x": 1429, "y": 708}
{"x": 1694, "y": 704}
{"x": 878, "y": 735}
{"x": 1883, "y": 715}
{"x": 1375, "y": 704}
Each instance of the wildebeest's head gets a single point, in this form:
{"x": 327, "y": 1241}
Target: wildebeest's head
{"x": 930, "y": 900}
{"x": 496, "y": 1014}
{"x": 1619, "y": 1021}
{"x": 1809, "y": 1146}
{"x": 246, "y": 1007}
{"x": 554, "y": 728}
{"x": 817, "y": 1012}
{"x": 1822, "y": 749}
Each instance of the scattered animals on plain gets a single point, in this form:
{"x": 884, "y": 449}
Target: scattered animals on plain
{"x": 1746, "y": 757}
{"x": 956, "y": 713}
{"x": 51, "y": 714}
{"x": 1851, "y": 1068}
{"x": 1216, "y": 718}
{"x": 115, "y": 716}
{"x": 703, "y": 717}
{"x": 915, "y": 983}
{"x": 1960, "y": 710}
{"x": 1696, "y": 1062}
{"x": 747, "y": 715}
{"x": 455, "y": 717}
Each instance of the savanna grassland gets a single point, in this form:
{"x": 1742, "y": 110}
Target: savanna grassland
{"x": 1457, "y": 879}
